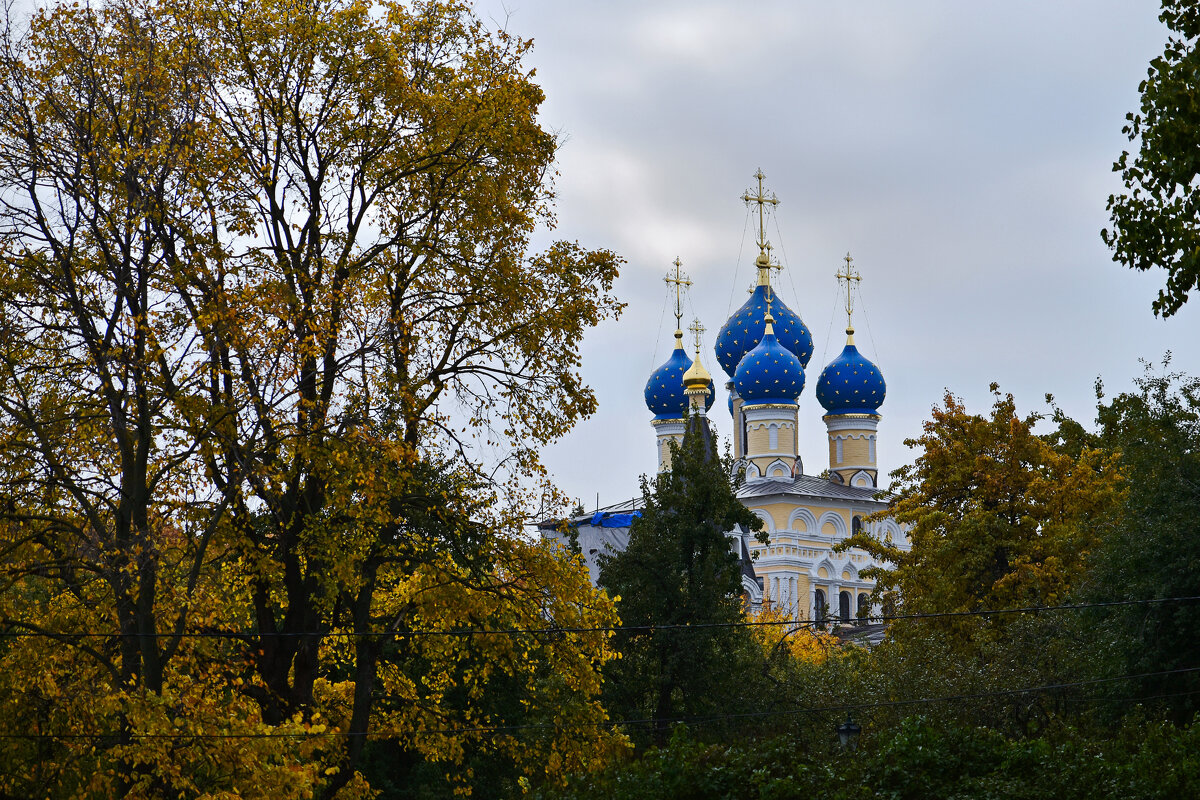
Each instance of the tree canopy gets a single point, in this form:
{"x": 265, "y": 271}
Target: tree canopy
{"x": 997, "y": 516}
{"x": 1154, "y": 549}
{"x": 268, "y": 304}
{"x": 1154, "y": 222}
{"x": 679, "y": 570}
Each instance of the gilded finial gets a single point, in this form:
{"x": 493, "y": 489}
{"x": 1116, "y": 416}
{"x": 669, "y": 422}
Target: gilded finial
{"x": 762, "y": 200}
{"x": 680, "y": 280}
{"x": 696, "y": 379}
{"x": 848, "y": 274}
{"x": 769, "y": 320}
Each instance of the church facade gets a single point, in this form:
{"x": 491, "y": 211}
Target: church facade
{"x": 764, "y": 349}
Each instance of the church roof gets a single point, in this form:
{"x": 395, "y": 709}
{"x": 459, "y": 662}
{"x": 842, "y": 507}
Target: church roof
{"x": 770, "y": 373}
{"x": 742, "y": 332}
{"x": 665, "y": 395}
{"x": 810, "y": 486}
{"x": 803, "y": 486}
{"x": 851, "y": 384}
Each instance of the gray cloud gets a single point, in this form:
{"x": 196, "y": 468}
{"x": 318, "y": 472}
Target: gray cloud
{"x": 961, "y": 151}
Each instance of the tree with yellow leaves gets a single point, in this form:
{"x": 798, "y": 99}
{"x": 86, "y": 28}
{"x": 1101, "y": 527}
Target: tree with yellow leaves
{"x": 998, "y": 517}
{"x": 780, "y": 635}
{"x": 268, "y": 302}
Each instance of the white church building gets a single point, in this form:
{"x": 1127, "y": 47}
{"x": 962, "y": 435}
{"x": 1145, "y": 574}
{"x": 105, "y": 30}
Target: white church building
{"x": 764, "y": 349}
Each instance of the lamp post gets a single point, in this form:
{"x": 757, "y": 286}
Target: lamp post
{"x": 848, "y": 733}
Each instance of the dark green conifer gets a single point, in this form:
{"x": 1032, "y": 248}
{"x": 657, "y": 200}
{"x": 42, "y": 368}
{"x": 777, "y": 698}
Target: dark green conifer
{"x": 680, "y": 569}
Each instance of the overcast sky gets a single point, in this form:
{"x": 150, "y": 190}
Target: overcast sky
{"x": 961, "y": 152}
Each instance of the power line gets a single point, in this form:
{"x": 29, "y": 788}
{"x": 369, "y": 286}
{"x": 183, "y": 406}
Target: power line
{"x": 737, "y": 265}
{"x": 629, "y": 723}
{"x": 696, "y": 626}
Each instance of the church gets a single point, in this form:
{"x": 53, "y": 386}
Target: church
{"x": 764, "y": 349}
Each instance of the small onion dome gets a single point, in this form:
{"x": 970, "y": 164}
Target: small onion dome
{"x": 744, "y": 330}
{"x": 770, "y": 373}
{"x": 664, "y": 391}
{"x": 851, "y": 384}
{"x": 697, "y": 376}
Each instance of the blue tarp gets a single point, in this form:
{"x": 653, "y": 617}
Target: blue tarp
{"x": 607, "y": 520}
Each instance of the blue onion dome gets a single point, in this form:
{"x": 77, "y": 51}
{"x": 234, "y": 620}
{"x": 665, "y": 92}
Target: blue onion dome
{"x": 770, "y": 373}
{"x": 664, "y": 391}
{"x": 744, "y": 330}
{"x": 731, "y": 404}
{"x": 851, "y": 384}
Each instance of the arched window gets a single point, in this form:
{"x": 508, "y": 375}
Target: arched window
{"x": 844, "y": 606}
{"x": 773, "y": 436}
{"x": 864, "y": 608}
{"x": 819, "y": 607}
{"x": 855, "y": 524}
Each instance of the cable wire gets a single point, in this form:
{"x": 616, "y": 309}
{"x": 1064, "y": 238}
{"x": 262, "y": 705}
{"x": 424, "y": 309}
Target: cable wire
{"x": 737, "y": 264}
{"x": 786, "y": 262}
{"x": 867, "y": 316}
{"x": 620, "y": 723}
{"x": 694, "y": 626}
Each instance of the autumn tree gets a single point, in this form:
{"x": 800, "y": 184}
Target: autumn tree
{"x": 269, "y": 306}
{"x": 679, "y": 570}
{"x": 1154, "y": 222}
{"x": 996, "y": 515}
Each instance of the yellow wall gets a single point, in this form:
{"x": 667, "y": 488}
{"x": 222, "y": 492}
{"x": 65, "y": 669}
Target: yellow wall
{"x": 759, "y": 439}
{"x": 854, "y": 450}
{"x": 780, "y": 512}
{"x": 664, "y": 462}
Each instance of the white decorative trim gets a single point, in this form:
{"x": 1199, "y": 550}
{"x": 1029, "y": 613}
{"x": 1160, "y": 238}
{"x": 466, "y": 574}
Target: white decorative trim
{"x": 770, "y": 411}
{"x": 863, "y": 480}
{"x": 750, "y": 587}
{"x": 851, "y": 422}
{"x": 839, "y": 524}
{"x": 669, "y": 427}
{"x": 807, "y": 517}
{"x": 766, "y": 517}
{"x": 778, "y": 469}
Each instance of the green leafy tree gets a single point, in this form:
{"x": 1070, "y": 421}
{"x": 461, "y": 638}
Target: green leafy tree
{"x": 1154, "y": 222}
{"x": 679, "y": 570}
{"x": 1154, "y": 551}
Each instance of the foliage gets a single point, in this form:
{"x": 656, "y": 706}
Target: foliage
{"x": 679, "y": 570}
{"x": 1154, "y": 221}
{"x": 1143, "y": 759}
{"x": 1155, "y": 550}
{"x": 997, "y": 516}
{"x": 800, "y": 643}
{"x": 267, "y": 306}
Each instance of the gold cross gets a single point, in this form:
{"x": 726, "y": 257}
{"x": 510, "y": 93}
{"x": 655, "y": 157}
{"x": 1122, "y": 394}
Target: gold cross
{"x": 850, "y": 274}
{"x": 697, "y": 330}
{"x": 771, "y": 264}
{"x": 680, "y": 280}
{"x": 762, "y": 200}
